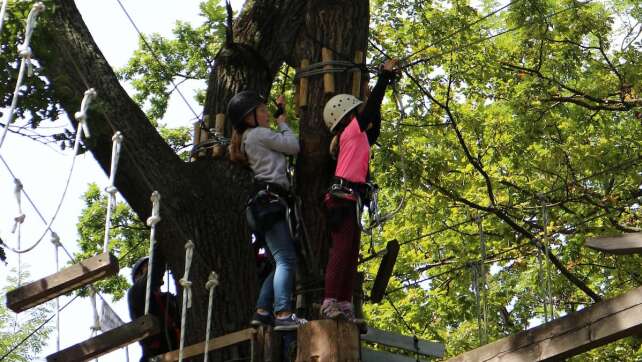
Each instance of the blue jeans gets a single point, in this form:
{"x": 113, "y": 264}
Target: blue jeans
{"x": 277, "y": 287}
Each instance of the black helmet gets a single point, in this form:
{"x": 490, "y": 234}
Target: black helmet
{"x": 137, "y": 265}
{"x": 242, "y": 104}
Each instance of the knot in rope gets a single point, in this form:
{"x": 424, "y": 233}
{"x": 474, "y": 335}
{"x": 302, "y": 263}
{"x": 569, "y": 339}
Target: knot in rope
{"x": 55, "y": 239}
{"x": 81, "y": 116}
{"x": 184, "y": 281}
{"x": 17, "y": 191}
{"x": 212, "y": 281}
{"x": 155, "y": 218}
{"x": 112, "y": 190}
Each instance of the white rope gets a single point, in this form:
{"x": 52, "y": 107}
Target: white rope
{"x": 211, "y": 284}
{"x": 95, "y": 328}
{"x": 17, "y": 225}
{"x": 111, "y": 190}
{"x": 3, "y": 10}
{"x": 484, "y": 289}
{"x": 547, "y": 251}
{"x": 55, "y": 240}
{"x": 187, "y": 293}
{"x": 152, "y": 221}
{"x": 25, "y": 53}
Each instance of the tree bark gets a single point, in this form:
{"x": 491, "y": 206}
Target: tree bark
{"x": 204, "y": 201}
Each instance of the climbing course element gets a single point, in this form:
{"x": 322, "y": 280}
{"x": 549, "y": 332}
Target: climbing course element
{"x": 25, "y": 53}
{"x": 187, "y": 293}
{"x": 17, "y": 224}
{"x": 68, "y": 279}
{"x": 111, "y": 190}
{"x": 81, "y": 116}
{"x": 151, "y": 222}
{"x": 211, "y": 284}
{"x": 55, "y": 240}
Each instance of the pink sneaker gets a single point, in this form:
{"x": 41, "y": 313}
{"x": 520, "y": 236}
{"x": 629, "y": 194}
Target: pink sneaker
{"x": 330, "y": 310}
{"x": 348, "y": 310}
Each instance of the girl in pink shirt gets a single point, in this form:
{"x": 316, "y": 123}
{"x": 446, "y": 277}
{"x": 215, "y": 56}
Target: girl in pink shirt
{"x": 355, "y": 131}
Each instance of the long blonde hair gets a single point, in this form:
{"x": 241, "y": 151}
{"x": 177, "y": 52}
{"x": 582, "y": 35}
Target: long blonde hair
{"x": 236, "y": 154}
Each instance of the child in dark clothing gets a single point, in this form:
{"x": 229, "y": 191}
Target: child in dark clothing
{"x": 355, "y": 132}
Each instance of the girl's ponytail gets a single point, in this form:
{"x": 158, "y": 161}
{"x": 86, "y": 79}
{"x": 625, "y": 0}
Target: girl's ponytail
{"x": 236, "y": 154}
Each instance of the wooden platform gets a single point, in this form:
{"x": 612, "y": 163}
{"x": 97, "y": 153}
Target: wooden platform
{"x": 592, "y": 327}
{"x": 114, "y": 339}
{"x": 629, "y": 243}
{"x": 215, "y": 343}
{"x": 68, "y": 279}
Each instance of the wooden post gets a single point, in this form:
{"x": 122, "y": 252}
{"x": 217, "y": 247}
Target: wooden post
{"x": 57, "y": 284}
{"x": 592, "y": 327}
{"x": 385, "y": 271}
{"x": 204, "y": 135}
{"x": 219, "y": 129}
{"x": 303, "y": 84}
{"x": 328, "y": 78}
{"x": 356, "y": 76}
{"x": 114, "y": 339}
{"x": 328, "y": 341}
{"x": 196, "y": 137}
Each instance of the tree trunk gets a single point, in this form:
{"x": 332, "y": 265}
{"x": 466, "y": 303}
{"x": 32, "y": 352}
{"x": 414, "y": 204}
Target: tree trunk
{"x": 204, "y": 201}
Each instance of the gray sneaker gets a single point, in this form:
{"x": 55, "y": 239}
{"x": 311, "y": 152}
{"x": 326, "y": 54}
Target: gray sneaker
{"x": 289, "y": 323}
{"x": 330, "y": 310}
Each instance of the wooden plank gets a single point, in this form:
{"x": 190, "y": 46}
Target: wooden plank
{"x": 368, "y": 355}
{"x": 215, "y": 343}
{"x": 425, "y": 348}
{"x": 568, "y": 336}
{"x": 629, "y": 243}
{"x": 385, "y": 271}
{"x": 66, "y": 280}
{"x": 356, "y": 76}
{"x": 303, "y": 84}
{"x": 328, "y": 78}
{"x": 328, "y": 341}
{"x": 114, "y": 339}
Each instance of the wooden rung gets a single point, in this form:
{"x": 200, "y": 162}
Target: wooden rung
{"x": 328, "y": 78}
{"x": 219, "y": 129}
{"x": 629, "y": 243}
{"x": 215, "y": 343}
{"x": 68, "y": 279}
{"x": 303, "y": 84}
{"x": 385, "y": 271}
{"x": 114, "y": 339}
{"x": 426, "y": 348}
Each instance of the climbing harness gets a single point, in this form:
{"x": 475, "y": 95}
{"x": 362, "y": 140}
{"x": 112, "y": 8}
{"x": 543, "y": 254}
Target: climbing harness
{"x": 111, "y": 190}
{"x": 151, "y": 222}
{"x": 25, "y": 53}
{"x": 187, "y": 294}
{"x": 211, "y": 284}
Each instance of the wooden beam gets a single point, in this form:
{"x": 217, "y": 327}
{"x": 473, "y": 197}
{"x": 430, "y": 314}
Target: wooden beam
{"x": 327, "y": 340}
{"x": 356, "y": 76}
{"x": 68, "y": 279}
{"x": 385, "y": 271}
{"x": 328, "y": 78}
{"x": 592, "y": 327}
{"x": 368, "y": 355}
{"x": 215, "y": 343}
{"x": 629, "y": 243}
{"x": 303, "y": 84}
{"x": 114, "y": 339}
{"x": 423, "y": 347}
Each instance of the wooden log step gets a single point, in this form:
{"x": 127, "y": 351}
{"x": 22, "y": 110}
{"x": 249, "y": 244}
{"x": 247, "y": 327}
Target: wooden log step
{"x": 66, "y": 280}
{"x": 328, "y": 341}
{"x": 114, "y": 339}
{"x": 423, "y": 347}
{"x": 629, "y": 243}
{"x": 592, "y": 327}
{"x": 215, "y": 343}
{"x": 385, "y": 271}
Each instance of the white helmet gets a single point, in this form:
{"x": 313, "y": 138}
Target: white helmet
{"x": 337, "y": 108}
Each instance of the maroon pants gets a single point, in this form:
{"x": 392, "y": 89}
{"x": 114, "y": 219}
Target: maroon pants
{"x": 341, "y": 270}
